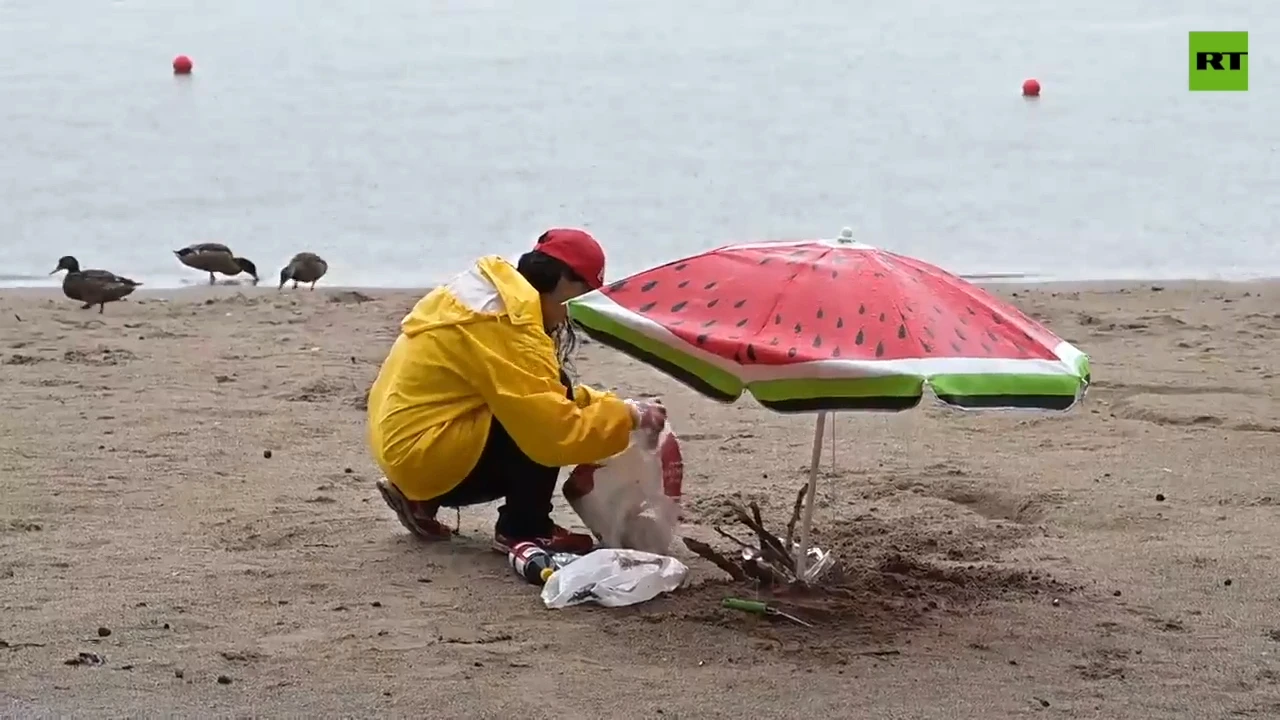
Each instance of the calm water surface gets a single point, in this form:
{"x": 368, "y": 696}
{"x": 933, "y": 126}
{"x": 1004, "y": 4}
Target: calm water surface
{"x": 399, "y": 139}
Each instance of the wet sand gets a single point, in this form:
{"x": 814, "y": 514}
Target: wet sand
{"x": 1119, "y": 561}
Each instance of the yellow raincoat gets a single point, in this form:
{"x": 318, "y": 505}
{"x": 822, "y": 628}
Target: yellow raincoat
{"x": 469, "y": 351}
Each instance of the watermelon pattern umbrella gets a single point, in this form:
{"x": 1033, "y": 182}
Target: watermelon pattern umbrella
{"x": 827, "y": 325}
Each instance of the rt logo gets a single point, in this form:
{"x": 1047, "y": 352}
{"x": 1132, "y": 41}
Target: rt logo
{"x": 1219, "y": 61}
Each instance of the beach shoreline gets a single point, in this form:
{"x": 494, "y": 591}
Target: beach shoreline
{"x": 187, "y": 281}
{"x": 999, "y": 286}
{"x": 1119, "y": 560}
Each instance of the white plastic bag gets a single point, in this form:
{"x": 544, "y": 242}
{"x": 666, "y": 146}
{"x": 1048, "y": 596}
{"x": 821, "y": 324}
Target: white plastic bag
{"x": 613, "y": 578}
{"x": 632, "y": 500}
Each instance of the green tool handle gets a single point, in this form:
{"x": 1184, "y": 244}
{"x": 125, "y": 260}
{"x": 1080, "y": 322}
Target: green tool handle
{"x": 751, "y": 606}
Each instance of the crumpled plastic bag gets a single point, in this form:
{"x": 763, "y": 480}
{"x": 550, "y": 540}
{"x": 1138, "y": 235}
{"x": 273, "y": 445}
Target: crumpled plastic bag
{"x": 632, "y": 500}
{"x": 613, "y": 577}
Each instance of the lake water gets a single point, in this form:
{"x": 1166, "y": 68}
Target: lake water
{"x": 399, "y": 139}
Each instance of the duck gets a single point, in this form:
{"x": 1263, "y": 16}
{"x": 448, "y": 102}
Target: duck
{"x": 215, "y": 257}
{"x": 92, "y": 287}
{"x": 304, "y": 267}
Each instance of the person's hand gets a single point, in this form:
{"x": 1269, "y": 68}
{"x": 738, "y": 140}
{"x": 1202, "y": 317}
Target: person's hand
{"x": 649, "y": 418}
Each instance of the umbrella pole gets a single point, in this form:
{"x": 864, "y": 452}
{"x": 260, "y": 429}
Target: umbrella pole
{"x": 806, "y": 523}
{"x": 833, "y": 442}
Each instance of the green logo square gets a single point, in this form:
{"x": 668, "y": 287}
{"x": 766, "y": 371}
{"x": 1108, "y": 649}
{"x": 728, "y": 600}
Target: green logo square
{"x": 1219, "y": 61}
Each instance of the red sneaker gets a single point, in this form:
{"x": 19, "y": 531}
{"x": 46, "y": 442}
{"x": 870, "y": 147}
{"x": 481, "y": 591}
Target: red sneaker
{"x": 561, "y": 540}
{"x": 416, "y": 516}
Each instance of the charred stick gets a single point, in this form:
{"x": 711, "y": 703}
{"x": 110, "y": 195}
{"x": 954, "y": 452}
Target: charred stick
{"x": 795, "y": 514}
{"x": 706, "y": 552}
{"x": 770, "y": 545}
{"x": 725, "y": 534}
{"x": 740, "y": 513}
{"x": 783, "y": 552}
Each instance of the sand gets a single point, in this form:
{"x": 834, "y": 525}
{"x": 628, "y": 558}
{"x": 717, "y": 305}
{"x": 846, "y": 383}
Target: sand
{"x": 1119, "y": 561}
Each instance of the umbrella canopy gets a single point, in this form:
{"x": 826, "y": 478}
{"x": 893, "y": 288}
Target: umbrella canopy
{"x": 832, "y": 325}
{"x": 823, "y": 325}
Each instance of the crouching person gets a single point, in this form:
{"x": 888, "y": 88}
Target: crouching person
{"x": 472, "y": 404}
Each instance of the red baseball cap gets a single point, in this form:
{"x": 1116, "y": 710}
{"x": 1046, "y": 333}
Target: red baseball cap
{"x": 577, "y": 249}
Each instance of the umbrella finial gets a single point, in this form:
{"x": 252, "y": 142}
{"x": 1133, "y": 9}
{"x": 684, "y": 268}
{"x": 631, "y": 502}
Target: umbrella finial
{"x": 846, "y": 235}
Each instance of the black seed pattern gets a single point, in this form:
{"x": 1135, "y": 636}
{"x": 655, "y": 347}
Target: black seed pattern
{"x": 702, "y": 339}
{"x": 836, "y": 352}
{"x": 773, "y": 341}
{"x": 777, "y": 319}
{"x": 929, "y": 331}
{"x": 798, "y": 328}
{"x": 819, "y": 313}
{"x": 963, "y": 320}
{"x": 937, "y": 310}
{"x": 839, "y": 323}
{"x": 859, "y": 339}
{"x": 881, "y": 317}
{"x": 817, "y": 341}
{"x": 879, "y": 349}
{"x": 709, "y": 285}
{"x": 676, "y": 323}
{"x": 751, "y": 353}
{"x": 683, "y": 284}
{"x": 993, "y": 336}
{"x": 960, "y": 334}
{"x": 679, "y": 306}
{"x": 834, "y": 274}
{"x": 985, "y": 347}
{"x": 739, "y": 304}
{"x": 742, "y": 322}
{"x": 791, "y": 353}
{"x": 926, "y": 346}
{"x": 997, "y": 318}
{"x": 649, "y": 286}
{"x": 713, "y": 303}
{"x": 708, "y": 323}
{"x": 765, "y": 261}
{"x": 862, "y": 309}
{"x": 681, "y": 266}
{"x": 969, "y": 310}
{"x": 647, "y": 307}
{"x": 956, "y": 347}
{"x": 617, "y": 286}
{"x": 902, "y": 332}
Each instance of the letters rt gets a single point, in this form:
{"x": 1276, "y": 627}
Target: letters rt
{"x": 1207, "y": 60}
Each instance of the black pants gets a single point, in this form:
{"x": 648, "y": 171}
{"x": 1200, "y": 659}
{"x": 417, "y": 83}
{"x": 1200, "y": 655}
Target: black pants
{"x": 505, "y": 471}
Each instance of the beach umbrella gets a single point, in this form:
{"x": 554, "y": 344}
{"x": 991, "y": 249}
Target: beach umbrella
{"x": 828, "y": 325}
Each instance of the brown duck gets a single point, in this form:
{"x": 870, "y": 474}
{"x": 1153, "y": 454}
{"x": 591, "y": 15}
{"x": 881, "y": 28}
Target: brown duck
{"x": 215, "y": 258}
{"x": 304, "y": 267}
{"x": 92, "y": 287}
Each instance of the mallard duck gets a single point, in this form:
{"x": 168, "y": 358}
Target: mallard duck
{"x": 92, "y": 287}
{"x": 304, "y": 267}
{"x": 215, "y": 257}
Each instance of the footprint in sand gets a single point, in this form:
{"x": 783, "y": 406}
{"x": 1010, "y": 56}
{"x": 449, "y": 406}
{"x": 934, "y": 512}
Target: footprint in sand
{"x": 1240, "y": 412}
{"x": 100, "y": 356}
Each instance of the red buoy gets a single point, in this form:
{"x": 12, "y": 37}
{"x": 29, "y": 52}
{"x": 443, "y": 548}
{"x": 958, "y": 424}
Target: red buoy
{"x": 1031, "y": 87}
{"x": 182, "y": 65}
